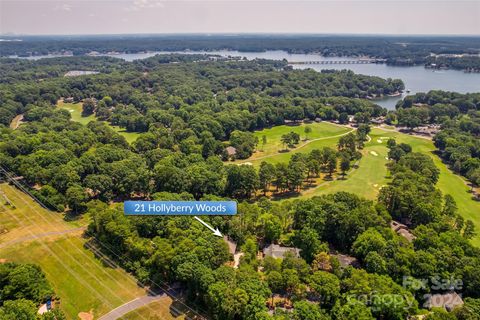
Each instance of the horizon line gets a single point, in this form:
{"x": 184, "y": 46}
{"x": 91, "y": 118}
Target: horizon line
{"x": 9, "y": 34}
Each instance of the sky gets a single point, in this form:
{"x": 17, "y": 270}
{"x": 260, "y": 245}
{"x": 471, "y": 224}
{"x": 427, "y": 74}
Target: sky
{"x": 232, "y": 16}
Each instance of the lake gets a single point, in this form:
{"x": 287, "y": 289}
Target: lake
{"x": 416, "y": 79}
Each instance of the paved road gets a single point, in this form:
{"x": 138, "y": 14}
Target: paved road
{"x": 16, "y": 121}
{"x": 40, "y": 235}
{"x": 131, "y": 305}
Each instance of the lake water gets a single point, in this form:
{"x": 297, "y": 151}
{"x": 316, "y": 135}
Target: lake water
{"x": 416, "y": 79}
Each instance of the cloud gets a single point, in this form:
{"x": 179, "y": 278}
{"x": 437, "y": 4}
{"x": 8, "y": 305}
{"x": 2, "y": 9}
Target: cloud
{"x": 138, "y": 5}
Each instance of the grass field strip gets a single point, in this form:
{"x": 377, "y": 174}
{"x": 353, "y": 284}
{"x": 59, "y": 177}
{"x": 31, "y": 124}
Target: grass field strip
{"x": 297, "y": 148}
{"x": 99, "y": 294}
{"x": 167, "y": 290}
{"x": 60, "y": 261}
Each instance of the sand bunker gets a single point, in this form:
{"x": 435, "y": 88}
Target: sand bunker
{"x": 379, "y": 140}
{"x": 86, "y": 315}
{"x": 373, "y": 153}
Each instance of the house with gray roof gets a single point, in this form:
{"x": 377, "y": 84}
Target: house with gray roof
{"x": 276, "y": 251}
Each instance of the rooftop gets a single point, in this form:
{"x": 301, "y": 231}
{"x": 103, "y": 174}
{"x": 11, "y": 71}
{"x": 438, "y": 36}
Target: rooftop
{"x": 276, "y": 251}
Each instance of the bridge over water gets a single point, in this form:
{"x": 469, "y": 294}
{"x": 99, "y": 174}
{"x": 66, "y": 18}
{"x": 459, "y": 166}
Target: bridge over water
{"x": 358, "y": 61}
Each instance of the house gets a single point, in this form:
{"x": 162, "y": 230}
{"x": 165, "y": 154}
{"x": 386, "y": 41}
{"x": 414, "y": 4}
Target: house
{"x": 276, "y": 251}
{"x": 346, "y": 260}
{"x": 402, "y": 230}
{"x": 231, "y": 151}
{"x": 446, "y": 300}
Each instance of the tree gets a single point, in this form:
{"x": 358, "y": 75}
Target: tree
{"x": 272, "y": 228}
{"x": 325, "y": 286}
{"x": 343, "y": 118}
{"x": 20, "y": 309}
{"x": 296, "y": 174}
{"x": 76, "y": 198}
{"x": 275, "y": 281}
{"x": 322, "y": 261}
{"x": 290, "y": 139}
{"x": 344, "y": 165}
{"x": 396, "y": 153}
{"x": 307, "y": 131}
{"x": 375, "y": 263}
{"x": 469, "y": 230}
{"x": 352, "y": 310}
{"x": 331, "y": 164}
{"x": 266, "y": 175}
{"x": 244, "y": 142}
{"x": 308, "y": 241}
{"x": 290, "y": 280}
{"x": 88, "y": 107}
{"x": 304, "y": 310}
{"x": 348, "y": 144}
{"x": 242, "y": 181}
{"x": 24, "y": 281}
{"x": 362, "y": 134}
{"x": 391, "y": 142}
{"x": 281, "y": 176}
{"x": 370, "y": 240}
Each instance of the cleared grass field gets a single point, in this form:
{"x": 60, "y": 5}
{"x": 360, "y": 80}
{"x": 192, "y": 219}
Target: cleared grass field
{"x": 75, "y": 110}
{"x": 323, "y": 134}
{"x": 158, "y": 310}
{"x": 83, "y": 282}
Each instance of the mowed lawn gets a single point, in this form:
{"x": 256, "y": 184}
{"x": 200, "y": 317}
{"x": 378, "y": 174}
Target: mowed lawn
{"x": 75, "y": 110}
{"x": 83, "y": 282}
{"x": 372, "y": 174}
{"x": 324, "y": 134}
{"x": 157, "y": 310}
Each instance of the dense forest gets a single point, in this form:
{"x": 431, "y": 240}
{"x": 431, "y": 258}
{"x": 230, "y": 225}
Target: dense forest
{"x": 164, "y": 249}
{"x": 186, "y": 130}
{"x": 397, "y": 50}
{"x": 23, "y": 287}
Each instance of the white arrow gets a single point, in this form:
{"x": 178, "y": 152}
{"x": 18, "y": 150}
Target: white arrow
{"x": 215, "y": 231}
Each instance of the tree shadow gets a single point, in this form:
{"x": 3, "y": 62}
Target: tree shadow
{"x": 70, "y": 216}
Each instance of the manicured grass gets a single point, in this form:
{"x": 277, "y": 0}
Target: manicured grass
{"x": 75, "y": 110}
{"x": 129, "y": 136}
{"x": 79, "y": 279}
{"x": 323, "y": 134}
{"x": 371, "y": 175}
{"x": 157, "y": 310}
{"x": 20, "y": 222}
{"x": 83, "y": 282}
